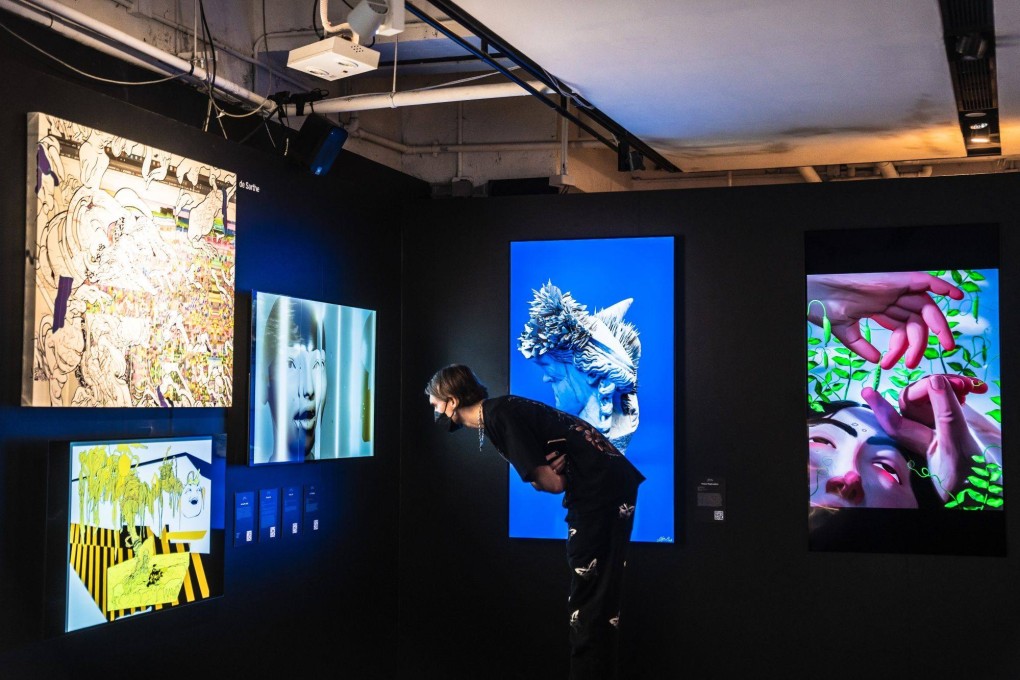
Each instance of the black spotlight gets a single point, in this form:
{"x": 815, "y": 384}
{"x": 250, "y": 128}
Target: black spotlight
{"x": 627, "y": 159}
{"x": 318, "y": 143}
{"x": 971, "y": 46}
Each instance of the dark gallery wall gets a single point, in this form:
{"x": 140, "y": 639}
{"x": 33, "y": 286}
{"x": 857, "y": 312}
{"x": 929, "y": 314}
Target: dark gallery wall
{"x": 740, "y": 598}
{"x": 412, "y": 575}
{"x": 316, "y": 601}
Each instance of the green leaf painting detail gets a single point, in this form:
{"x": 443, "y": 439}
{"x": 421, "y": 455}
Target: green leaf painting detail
{"x": 835, "y": 373}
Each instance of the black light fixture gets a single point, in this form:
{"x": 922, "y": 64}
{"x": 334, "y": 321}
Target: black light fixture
{"x": 980, "y": 133}
{"x": 318, "y": 143}
{"x": 628, "y": 159}
{"x": 971, "y": 46}
{"x": 969, "y": 35}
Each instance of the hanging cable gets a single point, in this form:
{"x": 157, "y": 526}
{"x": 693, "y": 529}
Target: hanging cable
{"x": 200, "y": 15}
{"x": 320, "y": 36}
{"x": 396, "y": 45}
{"x": 165, "y": 64}
{"x": 565, "y": 90}
{"x": 254, "y": 50}
{"x": 427, "y": 87}
{"x": 194, "y": 39}
{"x": 462, "y": 80}
{"x": 212, "y": 74}
{"x": 90, "y": 75}
{"x": 207, "y": 36}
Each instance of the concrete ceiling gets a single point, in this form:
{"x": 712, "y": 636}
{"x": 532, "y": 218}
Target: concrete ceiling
{"x": 729, "y": 91}
{"x": 731, "y": 84}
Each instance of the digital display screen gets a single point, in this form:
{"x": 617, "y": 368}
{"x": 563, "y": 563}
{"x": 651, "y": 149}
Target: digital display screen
{"x": 145, "y": 527}
{"x": 312, "y": 380}
{"x": 904, "y": 411}
{"x": 618, "y": 295}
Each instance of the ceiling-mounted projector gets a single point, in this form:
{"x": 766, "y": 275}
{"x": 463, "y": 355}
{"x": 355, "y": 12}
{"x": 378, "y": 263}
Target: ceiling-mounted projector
{"x": 342, "y": 56}
{"x": 333, "y": 58}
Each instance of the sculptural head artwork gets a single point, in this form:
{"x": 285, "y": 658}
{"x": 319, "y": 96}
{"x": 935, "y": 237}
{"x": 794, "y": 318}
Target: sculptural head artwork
{"x": 589, "y": 360}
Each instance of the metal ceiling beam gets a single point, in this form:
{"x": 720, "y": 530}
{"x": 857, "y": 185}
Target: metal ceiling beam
{"x": 488, "y": 39}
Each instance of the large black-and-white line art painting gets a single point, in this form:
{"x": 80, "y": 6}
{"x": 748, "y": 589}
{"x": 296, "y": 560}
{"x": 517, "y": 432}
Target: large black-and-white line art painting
{"x": 129, "y": 298}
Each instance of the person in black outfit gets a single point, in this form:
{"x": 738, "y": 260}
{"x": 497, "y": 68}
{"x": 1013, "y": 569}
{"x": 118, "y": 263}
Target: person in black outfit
{"x": 559, "y": 453}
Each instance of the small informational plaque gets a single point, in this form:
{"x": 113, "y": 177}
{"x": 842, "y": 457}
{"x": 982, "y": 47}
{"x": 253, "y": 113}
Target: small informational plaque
{"x": 291, "y": 510}
{"x": 244, "y": 518}
{"x": 311, "y": 508}
{"x": 269, "y": 514}
{"x": 712, "y": 499}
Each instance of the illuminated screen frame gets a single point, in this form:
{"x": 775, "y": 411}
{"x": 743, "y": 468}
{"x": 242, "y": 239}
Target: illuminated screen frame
{"x": 858, "y": 263}
{"x": 344, "y": 419}
{"x": 599, "y": 273}
{"x": 102, "y": 561}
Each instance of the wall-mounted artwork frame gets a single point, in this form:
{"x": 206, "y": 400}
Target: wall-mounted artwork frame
{"x": 903, "y": 391}
{"x": 312, "y": 380}
{"x": 129, "y": 295}
{"x": 618, "y": 294}
{"x": 134, "y": 527}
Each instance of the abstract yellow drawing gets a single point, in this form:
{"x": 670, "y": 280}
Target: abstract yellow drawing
{"x": 140, "y": 527}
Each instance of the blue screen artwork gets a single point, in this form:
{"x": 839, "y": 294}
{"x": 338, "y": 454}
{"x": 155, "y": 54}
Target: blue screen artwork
{"x": 312, "y": 382}
{"x": 587, "y": 271}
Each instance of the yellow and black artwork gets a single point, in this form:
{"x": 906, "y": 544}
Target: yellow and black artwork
{"x": 142, "y": 534}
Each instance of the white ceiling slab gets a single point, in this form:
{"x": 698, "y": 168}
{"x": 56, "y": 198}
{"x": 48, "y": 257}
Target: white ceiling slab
{"x": 732, "y": 84}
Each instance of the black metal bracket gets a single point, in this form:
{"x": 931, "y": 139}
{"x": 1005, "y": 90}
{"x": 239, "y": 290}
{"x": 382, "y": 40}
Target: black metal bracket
{"x": 491, "y": 40}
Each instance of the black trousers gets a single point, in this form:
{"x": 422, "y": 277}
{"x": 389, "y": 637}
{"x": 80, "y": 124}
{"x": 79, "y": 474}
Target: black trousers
{"x": 596, "y": 552}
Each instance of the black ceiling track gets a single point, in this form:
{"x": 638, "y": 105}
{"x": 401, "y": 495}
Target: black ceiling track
{"x": 624, "y": 144}
{"x": 968, "y": 27}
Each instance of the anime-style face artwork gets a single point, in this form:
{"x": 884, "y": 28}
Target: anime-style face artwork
{"x": 852, "y": 462}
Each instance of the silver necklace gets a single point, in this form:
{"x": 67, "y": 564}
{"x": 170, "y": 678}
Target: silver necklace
{"x": 481, "y": 426}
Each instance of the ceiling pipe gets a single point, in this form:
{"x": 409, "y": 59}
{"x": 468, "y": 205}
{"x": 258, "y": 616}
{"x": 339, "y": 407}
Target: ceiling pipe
{"x": 494, "y": 147}
{"x": 393, "y": 100}
{"x": 887, "y": 170}
{"x": 716, "y": 180}
{"x": 266, "y": 66}
{"x": 48, "y": 20}
{"x": 46, "y": 11}
{"x": 166, "y": 62}
{"x": 786, "y": 175}
{"x": 809, "y": 174}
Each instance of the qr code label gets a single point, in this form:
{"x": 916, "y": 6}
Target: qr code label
{"x": 272, "y": 532}
{"x": 718, "y": 515}
{"x": 315, "y": 525}
{"x": 293, "y": 527}
{"x": 247, "y": 536}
